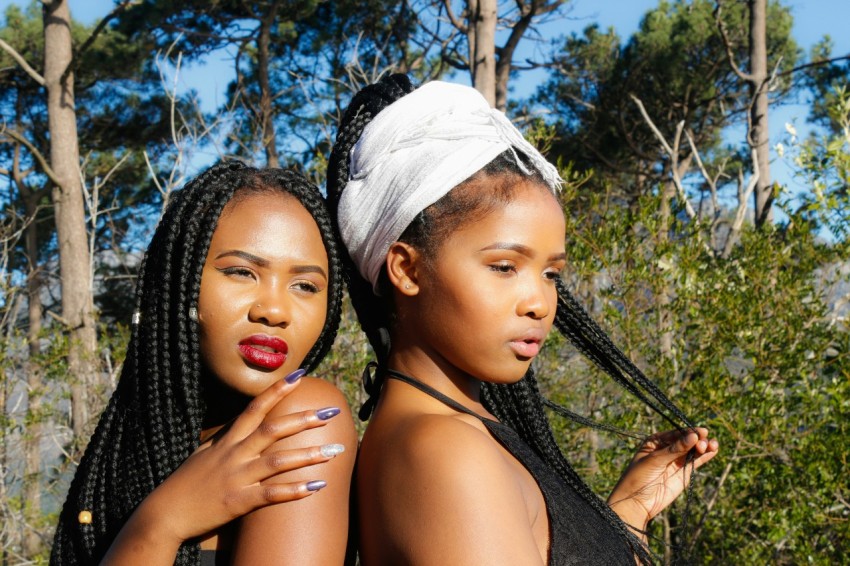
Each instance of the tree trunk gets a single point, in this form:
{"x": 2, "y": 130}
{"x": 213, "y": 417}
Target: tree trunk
{"x": 665, "y": 294}
{"x": 266, "y": 111}
{"x": 481, "y": 35}
{"x": 31, "y": 486}
{"x": 758, "y": 115}
{"x": 74, "y": 261}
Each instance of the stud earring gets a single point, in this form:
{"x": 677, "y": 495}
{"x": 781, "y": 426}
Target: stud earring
{"x": 407, "y": 285}
{"x": 193, "y": 314}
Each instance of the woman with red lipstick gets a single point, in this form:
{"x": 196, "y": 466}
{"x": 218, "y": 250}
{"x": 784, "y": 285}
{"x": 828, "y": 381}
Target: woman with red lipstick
{"x": 214, "y": 447}
{"x": 456, "y": 243}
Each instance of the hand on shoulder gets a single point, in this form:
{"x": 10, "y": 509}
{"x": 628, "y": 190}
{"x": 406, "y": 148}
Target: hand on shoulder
{"x": 230, "y": 475}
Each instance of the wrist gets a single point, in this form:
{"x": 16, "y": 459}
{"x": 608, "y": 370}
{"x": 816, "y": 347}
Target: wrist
{"x": 154, "y": 521}
{"x": 631, "y": 512}
{"x": 144, "y": 539}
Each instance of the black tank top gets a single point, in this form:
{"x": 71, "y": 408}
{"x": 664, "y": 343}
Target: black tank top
{"x": 578, "y": 533}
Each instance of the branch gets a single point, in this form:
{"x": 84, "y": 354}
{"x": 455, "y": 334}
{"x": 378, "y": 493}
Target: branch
{"x": 712, "y": 183}
{"x": 741, "y": 212}
{"x": 22, "y": 62}
{"x": 35, "y": 152}
{"x": 710, "y": 505}
{"x": 455, "y": 22}
{"x": 728, "y": 45}
{"x": 814, "y": 64}
{"x": 674, "y": 155}
{"x": 101, "y": 25}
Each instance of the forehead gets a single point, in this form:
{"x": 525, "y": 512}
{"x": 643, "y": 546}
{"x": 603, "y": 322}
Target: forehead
{"x": 520, "y": 210}
{"x": 272, "y": 223}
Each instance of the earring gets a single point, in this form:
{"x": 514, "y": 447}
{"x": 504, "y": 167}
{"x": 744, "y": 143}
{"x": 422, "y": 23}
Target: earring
{"x": 193, "y": 314}
{"x": 407, "y": 285}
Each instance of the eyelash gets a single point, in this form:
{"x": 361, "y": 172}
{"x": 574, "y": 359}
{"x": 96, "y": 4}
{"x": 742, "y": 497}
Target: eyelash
{"x": 503, "y": 268}
{"x": 242, "y": 272}
{"x": 552, "y": 275}
{"x": 307, "y": 287}
{"x": 238, "y": 271}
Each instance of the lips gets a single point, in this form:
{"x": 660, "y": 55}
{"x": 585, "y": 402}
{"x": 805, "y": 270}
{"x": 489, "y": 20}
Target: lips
{"x": 265, "y": 351}
{"x": 528, "y": 344}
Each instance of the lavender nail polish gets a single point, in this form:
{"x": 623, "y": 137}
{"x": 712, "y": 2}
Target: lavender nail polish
{"x": 327, "y": 413}
{"x": 295, "y": 376}
{"x": 316, "y": 485}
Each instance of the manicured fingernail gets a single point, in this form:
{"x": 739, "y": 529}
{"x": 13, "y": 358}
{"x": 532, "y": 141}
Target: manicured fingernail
{"x": 316, "y": 485}
{"x": 295, "y": 376}
{"x": 331, "y": 450}
{"x": 327, "y": 413}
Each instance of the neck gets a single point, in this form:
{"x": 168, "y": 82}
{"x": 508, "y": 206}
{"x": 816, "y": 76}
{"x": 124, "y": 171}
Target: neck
{"x": 435, "y": 371}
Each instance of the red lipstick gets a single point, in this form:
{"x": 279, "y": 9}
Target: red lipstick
{"x": 264, "y": 351}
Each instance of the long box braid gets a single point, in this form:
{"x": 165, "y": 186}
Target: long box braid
{"x": 152, "y": 422}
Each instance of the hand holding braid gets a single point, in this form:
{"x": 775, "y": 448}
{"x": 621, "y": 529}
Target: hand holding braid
{"x": 660, "y": 471}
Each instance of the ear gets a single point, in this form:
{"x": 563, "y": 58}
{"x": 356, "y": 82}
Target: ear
{"x": 403, "y": 265}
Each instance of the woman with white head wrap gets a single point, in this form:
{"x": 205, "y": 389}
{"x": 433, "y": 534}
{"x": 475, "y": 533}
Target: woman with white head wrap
{"x": 456, "y": 242}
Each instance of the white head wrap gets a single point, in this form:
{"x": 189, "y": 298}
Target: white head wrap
{"x": 412, "y": 154}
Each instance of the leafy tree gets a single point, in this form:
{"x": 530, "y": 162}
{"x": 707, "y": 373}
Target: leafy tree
{"x": 677, "y": 65}
{"x": 93, "y": 86}
{"x": 760, "y": 356}
{"x": 290, "y": 59}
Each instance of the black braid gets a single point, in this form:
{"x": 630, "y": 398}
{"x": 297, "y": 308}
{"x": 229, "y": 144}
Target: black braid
{"x": 152, "y": 422}
{"x": 373, "y": 315}
{"x": 520, "y": 405}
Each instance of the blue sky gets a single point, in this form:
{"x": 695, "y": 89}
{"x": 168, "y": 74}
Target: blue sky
{"x": 812, "y": 20}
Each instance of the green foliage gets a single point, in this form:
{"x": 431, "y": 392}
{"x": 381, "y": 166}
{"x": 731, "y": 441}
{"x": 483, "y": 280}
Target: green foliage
{"x": 677, "y": 65}
{"x": 823, "y": 164}
{"x": 758, "y": 356}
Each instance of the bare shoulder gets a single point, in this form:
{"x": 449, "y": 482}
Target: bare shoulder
{"x": 286, "y": 533}
{"x": 445, "y": 443}
{"x": 313, "y": 394}
{"x": 442, "y": 478}
{"x": 443, "y": 455}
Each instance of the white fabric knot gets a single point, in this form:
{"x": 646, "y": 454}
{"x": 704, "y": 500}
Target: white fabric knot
{"x": 412, "y": 154}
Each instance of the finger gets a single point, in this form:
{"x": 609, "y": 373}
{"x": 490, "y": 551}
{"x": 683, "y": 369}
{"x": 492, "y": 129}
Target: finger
{"x": 661, "y": 440}
{"x": 259, "y": 407}
{"x": 270, "y": 494}
{"x": 270, "y": 430}
{"x": 672, "y": 445}
{"x": 710, "y": 452}
{"x": 273, "y": 463}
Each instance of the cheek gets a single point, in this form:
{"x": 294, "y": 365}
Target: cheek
{"x": 311, "y": 317}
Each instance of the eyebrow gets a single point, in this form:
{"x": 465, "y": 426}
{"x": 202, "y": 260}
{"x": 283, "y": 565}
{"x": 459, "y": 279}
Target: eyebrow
{"x": 256, "y": 260}
{"x": 521, "y": 249}
{"x": 261, "y": 262}
{"x": 309, "y": 269}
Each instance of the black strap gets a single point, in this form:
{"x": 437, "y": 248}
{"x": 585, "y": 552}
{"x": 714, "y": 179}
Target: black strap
{"x": 428, "y": 390}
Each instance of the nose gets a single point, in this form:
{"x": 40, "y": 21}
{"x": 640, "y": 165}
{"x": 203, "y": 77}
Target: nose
{"x": 536, "y": 298}
{"x": 271, "y": 308}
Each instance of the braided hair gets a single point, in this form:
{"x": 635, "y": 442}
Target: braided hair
{"x": 152, "y": 422}
{"x": 519, "y": 405}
